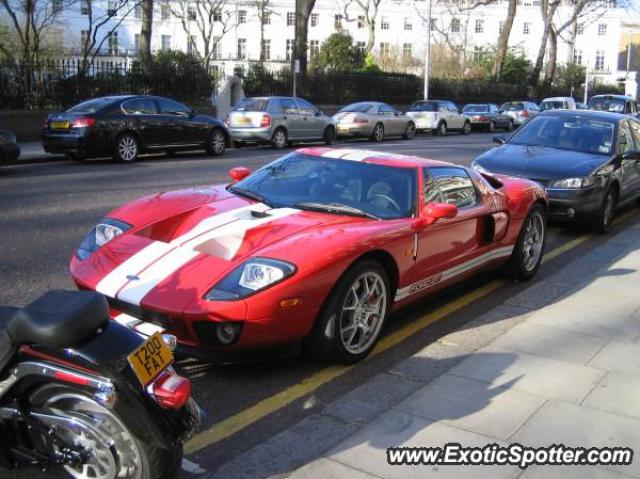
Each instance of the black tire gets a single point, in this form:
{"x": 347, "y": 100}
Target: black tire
{"x": 280, "y": 139}
{"x": 492, "y": 127}
{"x": 602, "y": 222}
{"x": 517, "y": 266}
{"x": 466, "y": 129}
{"x": 324, "y": 341}
{"x": 217, "y": 142}
{"x": 126, "y": 148}
{"x": 409, "y": 131}
{"x": 329, "y": 136}
{"x": 157, "y": 463}
{"x": 510, "y": 126}
{"x": 377, "y": 134}
{"x": 74, "y": 157}
{"x": 441, "y": 130}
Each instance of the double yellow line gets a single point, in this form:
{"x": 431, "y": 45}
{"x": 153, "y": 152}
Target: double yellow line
{"x": 245, "y": 418}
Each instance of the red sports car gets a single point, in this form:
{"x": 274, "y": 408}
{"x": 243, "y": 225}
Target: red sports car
{"x": 318, "y": 246}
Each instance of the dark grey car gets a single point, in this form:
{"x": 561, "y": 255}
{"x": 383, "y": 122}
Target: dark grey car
{"x": 488, "y": 117}
{"x": 9, "y": 149}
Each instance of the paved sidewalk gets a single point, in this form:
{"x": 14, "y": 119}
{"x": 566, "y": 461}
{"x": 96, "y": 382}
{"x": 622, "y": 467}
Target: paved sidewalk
{"x": 557, "y": 363}
{"x": 33, "y": 152}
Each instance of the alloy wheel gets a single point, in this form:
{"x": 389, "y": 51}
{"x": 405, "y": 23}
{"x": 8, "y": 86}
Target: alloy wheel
{"x": 533, "y": 241}
{"x": 280, "y": 139}
{"x": 467, "y": 128}
{"x": 218, "y": 142}
{"x": 378, "y": 132}
{"x": 127, "y": 148}
{"x": 410, "y": 132}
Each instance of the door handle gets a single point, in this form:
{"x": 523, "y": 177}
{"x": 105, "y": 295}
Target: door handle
{"x": 284, "y": 118}
{"x": 305, "y": 118}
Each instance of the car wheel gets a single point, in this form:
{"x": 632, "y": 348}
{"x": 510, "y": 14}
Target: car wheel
{"x": 492, "y": 126}
{"x": 127, "y": 148}
{"x": 510, "y": 126}
{"x": 527, "y": 252}
{"x": 351, "y": 319}
{"x": 378, "y": 132}
{"x": 466, "y": 129}
{"x": 217, "y": 143}
{"x": 602, "y": 223}
{"x": 409, "y": 131}
{"x": 442, "y": 129}
{"x": 329, "y": 135}
{"x": 279, "y": 140}
{"x": 74, "y": 157}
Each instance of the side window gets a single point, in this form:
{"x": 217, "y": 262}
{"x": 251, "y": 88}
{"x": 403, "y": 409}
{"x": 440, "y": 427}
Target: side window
{"x": 442, "y": 107}
{"x": 385, "y": 110}
{"x": 431, "y": 192}
{"x": 635, "y": 133}
{"x": 141, "y": 106}
{"x": 452, "y": 107}
{"x": 305, "y": 107}
{"x": 625, "y": 140}
{"x": 456, "y": 186}
{"x": 170, "y": 107}
{"x": 287, "y": 106}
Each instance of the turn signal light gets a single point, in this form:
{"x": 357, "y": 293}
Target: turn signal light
{"x": 266, "y": 121}
{"x": 83, "y": 122}
{"x": 171, "y": 391}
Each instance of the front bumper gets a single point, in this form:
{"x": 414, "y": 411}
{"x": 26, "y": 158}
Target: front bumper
{"x": 9, "y": 152}
{"x": 570, "y": 204}
{"x": 251, "y": 135}
{"x": 425, "y": 123}
{"x": 353, "y": 130}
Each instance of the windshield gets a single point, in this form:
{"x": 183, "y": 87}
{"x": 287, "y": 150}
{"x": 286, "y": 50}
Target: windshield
{"x": 356, "y": 108}
{"x": 423, "y": 106}
{"x": 551, "y": 105}
{"x": 512, "y": 106}
{"x": 90, "y": 106}
{"x": 252, "y": 104}
{"x": 615, "y": 105}
{"x": 568, "y": 133}
{"x": 307, "y": 182}
{"x": 476, "y": 109}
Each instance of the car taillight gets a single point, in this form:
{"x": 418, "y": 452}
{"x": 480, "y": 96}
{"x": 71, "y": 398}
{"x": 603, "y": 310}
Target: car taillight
{"x": 170, "y": 390}
{"x": 83, "y": 122}
{"x": 361, "y": 121}
{"x": 266, "y": 121}
{"x": 524, "y": 113}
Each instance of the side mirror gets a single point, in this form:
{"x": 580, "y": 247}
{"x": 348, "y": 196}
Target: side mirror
{"x": 631, "y": 155}
{"x": 433, "y": 212}
{"x": 239, "y": 173}
{"x": 499, "y": 140}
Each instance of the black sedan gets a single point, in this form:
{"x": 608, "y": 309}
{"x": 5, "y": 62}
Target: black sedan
{"x": 9, "y": 149}
{"x": 588, "y": 161}
{"x": 125, "y": 126}
{"x": 488, "y": 117}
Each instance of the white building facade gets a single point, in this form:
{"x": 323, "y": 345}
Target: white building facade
{"x": 400, "y": 29}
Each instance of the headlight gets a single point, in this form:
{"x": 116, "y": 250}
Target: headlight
{"x": 250, "y": 277}
{"x": 574, "y": 183}
{"x": 479, "y": 168}
{"x": 100, "y": 235}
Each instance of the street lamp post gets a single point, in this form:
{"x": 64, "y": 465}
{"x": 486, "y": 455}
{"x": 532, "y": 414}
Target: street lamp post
{"x": 427, "y": 53}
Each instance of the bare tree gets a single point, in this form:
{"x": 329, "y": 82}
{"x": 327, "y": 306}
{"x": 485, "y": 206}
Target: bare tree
{"x": 210, "y": 20}
{"x": 264, "y": 13}
{"x": 369, "y": 10}
{"x": 503, "y": 40}
{"x": 146, "y": 29}
{"x": 303, "y": 12}
{"x": 548, "y": 9}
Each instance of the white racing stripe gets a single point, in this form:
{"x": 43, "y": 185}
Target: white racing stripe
{"x": 431, "y": 281}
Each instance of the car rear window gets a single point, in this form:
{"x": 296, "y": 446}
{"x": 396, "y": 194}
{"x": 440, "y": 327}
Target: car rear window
{"x": 476, "y": 109}
{"x": 551, "y": 105}
{"x": 356, "y": 108}
{"x": 607, "y": 104}
{"x": 423, "y": 106}
{"x": 90, "y": 106}
{"x": 252, "y": 104}
{"x": 512, "y": 106}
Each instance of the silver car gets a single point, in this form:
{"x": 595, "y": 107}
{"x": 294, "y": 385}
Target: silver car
{"x": 374, "y": 120}
{"x": 279, "y": 121}
{"x": 520, "y": 111}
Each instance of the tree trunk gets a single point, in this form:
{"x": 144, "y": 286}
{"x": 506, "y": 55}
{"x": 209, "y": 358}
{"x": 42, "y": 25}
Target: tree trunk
{"x": 548, "y": 10}
{"x": 503, "y": 40}
{"x": 303, "y": 12}
{"x": 552, "y": 58}
{"x": 261, "y": 18}
{"x": 145, "y": 33}
{"x": 572, "y": 43}
{"x": 371, "y": 27}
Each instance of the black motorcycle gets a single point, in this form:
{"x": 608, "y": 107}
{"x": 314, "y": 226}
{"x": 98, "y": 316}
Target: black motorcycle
{"x": 83, "y": 392}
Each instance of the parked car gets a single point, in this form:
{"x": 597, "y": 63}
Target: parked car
{"x": 614, "y": 103}
{"x": 588, "y": 161}
{"x": 438, "y": 116}
{"x": 488, "y": 117}
{"x": 374, "y": 120}
{"x": 581, "y": 106}
{"x": 520, "y": 111}
{"x": 317, "y": 246}
{"x": 558, "y": 103}
{"x": 9, "y": 149}
{"x": 279, "y": 121}
{"x": 125, "y": 126}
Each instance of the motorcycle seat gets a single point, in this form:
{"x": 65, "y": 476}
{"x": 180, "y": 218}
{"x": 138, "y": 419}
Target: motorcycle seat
{"x": 57, "y": 319}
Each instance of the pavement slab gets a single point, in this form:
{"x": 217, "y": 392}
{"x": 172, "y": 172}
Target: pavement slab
{"x": 618, "y": 356}
{"x": 328, "y": 469}
{"x": 618, "y": 393}
{"x": 569, "y": 472}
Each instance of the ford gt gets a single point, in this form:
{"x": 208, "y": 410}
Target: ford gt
{"x": 317, "y": 247}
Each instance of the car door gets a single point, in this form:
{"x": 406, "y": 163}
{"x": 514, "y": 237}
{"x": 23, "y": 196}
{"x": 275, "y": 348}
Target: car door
{"x": 631, "y": 168}
{"x": 141, "y": 113}
{"x": 456, "y": 120}
{"x": 312, "y": 121}
{"x": 449, "y": 248}
{"x": 387, "y": 116}
{"x": 291, "y": 118}
{"x": 175, "y": 123}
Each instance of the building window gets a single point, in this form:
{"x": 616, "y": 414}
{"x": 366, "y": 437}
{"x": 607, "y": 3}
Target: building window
{"x": 112, "y": 8}
{"x": 360, "y": 22}
{"x": 165, "y": 42}
{"x": 84, "y": 8}
{"x": 526, "y": 28}
{"x": 407, "y": 51}
{"x": 242, "y": 49}
{"x": 112, "y": 38}
{"x": 385, "y": 49}
{"x": 291, "y": 19}
{"x": 136, "y": 43}
{"x": 384, "y": 23}
{"x": 360, "y": 46}
{"x": 266, "y": 49}
{"x": 137, "y": 11}
{"x": 580, "y": 28}
{"x": 478, "y": 54}
{"x": 455, "y": 25}
{"x": 314, "y": 19}
{"x": 242, "y": 16}
{"x": 217, "y": 15}
{"x": 337, "y": 22}
{"x": 408, "y": 23}
{"x": 577, "y": 56}
{"x": 289, "y": 51}
{"x": 165, "y": 11}
{"x": 479, "y": 26}
{"x": 56, "y": 6}
{"x": 314, "y": 49}
{"x": 266, "y": 18}
{"x": 191, "y": 14}
{"x": 602, "y": 29}
{"x": 599, "y": 66}
{"x": 216, "y": 50}
{"x": 191, "y": 45}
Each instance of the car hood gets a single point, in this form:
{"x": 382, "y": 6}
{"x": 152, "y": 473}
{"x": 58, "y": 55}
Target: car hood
{"x": 171, "y": 260}
{"x": 540, "y": 163}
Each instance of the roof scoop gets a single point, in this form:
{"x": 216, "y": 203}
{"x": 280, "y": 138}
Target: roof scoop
{"x": 259, "y": 214}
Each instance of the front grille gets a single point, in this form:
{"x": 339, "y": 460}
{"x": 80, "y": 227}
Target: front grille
{"x": 159, "y": 319}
